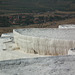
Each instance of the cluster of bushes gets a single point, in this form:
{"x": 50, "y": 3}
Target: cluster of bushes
{"x": 5, "y": 21}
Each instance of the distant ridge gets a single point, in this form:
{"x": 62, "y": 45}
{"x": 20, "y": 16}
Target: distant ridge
{"x": 11, "y": 6}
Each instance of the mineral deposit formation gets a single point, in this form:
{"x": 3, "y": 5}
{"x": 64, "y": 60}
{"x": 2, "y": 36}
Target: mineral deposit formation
{"x": 67, "y": 26}
{"x": 45, "y": 41}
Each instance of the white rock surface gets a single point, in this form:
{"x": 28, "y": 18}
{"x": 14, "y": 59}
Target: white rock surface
{"x": 7, "y": 35}
{"x": 45, "y": 41}
{"x": 34, "y": 64}
{"x": 71, "y": 51}
{"x": 67, "y": 26}
{"x": 9, "y": 51}
{"x": 59, "y": 65}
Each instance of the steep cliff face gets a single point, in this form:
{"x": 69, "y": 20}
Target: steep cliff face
{"x": 45, "y": 41}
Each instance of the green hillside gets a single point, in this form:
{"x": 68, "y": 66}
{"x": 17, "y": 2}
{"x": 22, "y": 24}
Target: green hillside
{"x": 12, "y": 6}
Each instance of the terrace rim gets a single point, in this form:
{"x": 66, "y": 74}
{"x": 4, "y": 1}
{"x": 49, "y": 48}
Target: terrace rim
{"x": 45, "y": 41}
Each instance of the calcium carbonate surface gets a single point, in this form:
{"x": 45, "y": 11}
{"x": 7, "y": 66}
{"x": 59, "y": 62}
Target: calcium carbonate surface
{"x": 54, "y": 33}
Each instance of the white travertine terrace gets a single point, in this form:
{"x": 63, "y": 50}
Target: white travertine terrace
{"x": 42, "y": 41}
{"x": 71, "y": 51}
{"x": 10, "y": 51}
{"x": 45, "y": 41}
{"x": 67, "y": 26}
{"x": 7, "y": 35}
